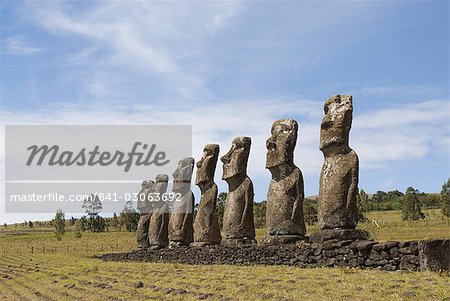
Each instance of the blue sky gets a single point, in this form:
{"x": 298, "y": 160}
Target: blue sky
{"x": 232, "y": 68}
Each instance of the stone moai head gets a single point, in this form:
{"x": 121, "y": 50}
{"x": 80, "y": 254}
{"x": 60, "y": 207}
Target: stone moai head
{"x": 183, "y": 174}
{"x": 235, "y": 161}
{"x": 280, "y": 146}
{"x": 143, "y": 204}
{"x": 206, "y": 167}
{"x": 161, "y": 183}
{"x": 144, "y": 186}
{"x": 336, "y": 123}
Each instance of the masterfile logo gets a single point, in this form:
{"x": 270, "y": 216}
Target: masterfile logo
{"x": 50, "y": 167}
{"x": 95, "y": 157}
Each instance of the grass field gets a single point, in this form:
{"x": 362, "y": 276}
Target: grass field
{"x": 70, "y": 277}
{"x": 67, "y": 270}
{"x": 391, "y": 227}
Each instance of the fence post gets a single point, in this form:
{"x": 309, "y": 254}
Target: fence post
{"x": 31, "y": 249}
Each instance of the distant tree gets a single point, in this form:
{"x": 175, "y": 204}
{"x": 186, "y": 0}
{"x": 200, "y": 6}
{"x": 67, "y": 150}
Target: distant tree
{"x": 77, "y": 228}
{"x": 430, "y": 200}
{"x": 309, "y": 213}
{"x": 115, "y": 221}
{"x": 100, "y": 224}
{"x": 259, "y": 214}
{"x": 390, "y": 195}
{"x": 221, "y": 199}
{"x": 129, "y": 217}
{"x": 381, "y": 200}
{"x": 379, "y": 196}
{"x": 60, "y": 224}
{"x": 93, "y": 206}
{"x": 83, "y": 223}
{"x": 96, "y": 223}
{"x": 411, "y": 207}
{"x": 30, "y": 224}
{"x": 445, "y": 198}
{"x": 5, "y": 225}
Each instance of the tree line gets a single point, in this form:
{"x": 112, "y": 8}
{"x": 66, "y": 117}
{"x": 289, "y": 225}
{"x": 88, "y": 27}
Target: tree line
{"x": 410, "y": 203}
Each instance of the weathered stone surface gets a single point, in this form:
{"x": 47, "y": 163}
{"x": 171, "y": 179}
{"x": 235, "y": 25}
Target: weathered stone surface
{"x": 206, "y": 224}
{"x": 339, "y": 175}
{"x": 284, "y": 214}
{"x": 144, "y": 206}
{"x": 238, "y": 226}
{"x": 340, "y": 234}
{"x": 434, "y": 255}
{"x": 181, "y": 231}
{"x": 159, "y": 220}
{"x": 142, "y": 231}
{"x": 302, "y": 254}
{"x": 386, "y": 245}
{"x": 280, "y": 239}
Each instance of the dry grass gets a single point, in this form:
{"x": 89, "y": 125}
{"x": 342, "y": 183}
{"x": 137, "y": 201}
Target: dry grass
{"x": 45, "y": 277}
{"x": 391, "y": 227}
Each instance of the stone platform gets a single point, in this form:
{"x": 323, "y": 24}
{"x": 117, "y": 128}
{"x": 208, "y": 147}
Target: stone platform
{"x": 390, "y": 256}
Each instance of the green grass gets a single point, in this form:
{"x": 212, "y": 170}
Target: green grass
{"x": 391, "y": 227}
{"x": 54, "y": 264}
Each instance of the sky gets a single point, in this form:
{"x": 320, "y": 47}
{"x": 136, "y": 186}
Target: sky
{"x": 231, "y": 68}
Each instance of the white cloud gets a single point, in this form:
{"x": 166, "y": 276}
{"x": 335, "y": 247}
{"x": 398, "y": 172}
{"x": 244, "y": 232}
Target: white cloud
{"x": 18, "y": 45}
{"x": 402, "y": 132}
{"x": 398, "y": 90}
{"x": 374, "y": 137}
{"x": 158, "y": 40}
{"x": 220, "y": 20}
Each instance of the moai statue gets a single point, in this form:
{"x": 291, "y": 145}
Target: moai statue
{"x": 144, "y": 206}
{"x": 284, "y": 215}
{"x": 337, "y": 210}
{"x": 238, "y": 226}
{"x": 158, "y": 235}
{"x": 181, "y": 232}
{"x": 206, "y": 224}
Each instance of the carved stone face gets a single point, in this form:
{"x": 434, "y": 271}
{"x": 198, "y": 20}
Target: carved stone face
{"x": 161, "y": 183}
{"x": 147, "y": 187}
{"x": 207, "y": 164}
{"x": 235, "y": 161}
{"x": 336, "y": 123}
{"x": 183, "y": 174}
{"x": 280, "y": 146}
